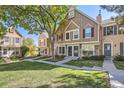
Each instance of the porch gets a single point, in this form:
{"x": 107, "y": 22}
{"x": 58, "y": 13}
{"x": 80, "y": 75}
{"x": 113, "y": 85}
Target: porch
{"x": 9, "y": 51}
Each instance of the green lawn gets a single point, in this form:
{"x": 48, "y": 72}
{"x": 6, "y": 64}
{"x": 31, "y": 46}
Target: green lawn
{"x": 42, "y": 57}
{"x": 89, "y": 63}
{"x": 119, "y": 64}
{"x": 55, "y": 60}
{"x": 40, "y": 75}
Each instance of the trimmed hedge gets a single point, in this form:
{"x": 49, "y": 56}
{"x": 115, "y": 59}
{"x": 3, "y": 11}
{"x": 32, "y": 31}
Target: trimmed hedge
{"x": 119, "y": 58}
{"x": 100, "y": 57}
{"x": 59, "y": 56}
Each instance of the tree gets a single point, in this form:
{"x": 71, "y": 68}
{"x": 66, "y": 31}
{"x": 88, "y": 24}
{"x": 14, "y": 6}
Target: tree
{"x": 2, "y": 26}
{"x": 119, "y": 9}
{"x": 36, "y": 19}
{"x": 28, "y": 41}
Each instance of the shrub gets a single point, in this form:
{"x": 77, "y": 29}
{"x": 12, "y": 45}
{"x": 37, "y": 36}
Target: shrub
{"x": 59, "y": 56}
{"x": 24, "y": 50}
{"x": 100, "y": 57}
{"x": 119, "y": 58}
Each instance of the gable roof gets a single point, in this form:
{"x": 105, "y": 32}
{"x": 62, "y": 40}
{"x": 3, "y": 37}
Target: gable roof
{"x": 86, "y": 15}
{"x": 14, "y": 30}
{"x": 18, "y": 33}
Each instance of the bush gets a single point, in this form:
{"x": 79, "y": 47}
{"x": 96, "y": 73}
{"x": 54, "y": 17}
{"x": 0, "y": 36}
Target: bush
{"x": 59, "y": 56}
{"x": 119, "y": 58}
{"x": 24, "y": 50}
{"x": 100, "y": 57}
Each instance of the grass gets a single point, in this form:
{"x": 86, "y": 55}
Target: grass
{"x": 119, "y": 64}
{"x": 42, "y": 57}
{"x": 82, "y": 63}
{"x": 40, "y": 75}
{"x": 55, "y": 60}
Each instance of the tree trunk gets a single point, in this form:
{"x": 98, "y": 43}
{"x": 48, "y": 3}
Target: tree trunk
{"x": 52, "y": 49}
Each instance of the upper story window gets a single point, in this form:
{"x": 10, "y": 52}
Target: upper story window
{"x": 17, "y": 40}
{"x": 76, "y": 34}
{"x": 6, "y": 39}
{"x": 59, "y": 37}
{"x": 67, "y": 35}
{"x": 110, "y": 30}
{"x": 120, "y": 30}
{"x": 44, "y": 42}
{"x": 88, "y": 32}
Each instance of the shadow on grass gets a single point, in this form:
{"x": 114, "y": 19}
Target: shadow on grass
{"x": 78, "y": 81}
{"x": 26, "y": 66}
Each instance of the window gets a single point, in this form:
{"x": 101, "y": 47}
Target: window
{"x": 120, "y": 31}
{"x": 4, "y": 51}
{"x": 105, "y": 29}
{"x": 67, "y": 36}
{"x": 115, "y": 30}
{"x": 88, "y": 50}
{"x": 88, "y": 32}
{"x": 62, "y": 36}
{"x": 17, "y": 52}
{"x": 45, "y": 51}
{"x": 61, "y": 50}
{"x": 6, "y": 39}
{"x": 17, "y": 40}
{"x": 44, "y": 42}
{"x": 110, "y": 30}
{"x": 76, "y": 35}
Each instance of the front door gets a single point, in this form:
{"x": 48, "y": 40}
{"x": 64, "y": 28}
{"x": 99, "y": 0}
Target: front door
{"x": 75, "y": 50}
{"x": 107, "y": 49}
{"x": 69, "y": 50}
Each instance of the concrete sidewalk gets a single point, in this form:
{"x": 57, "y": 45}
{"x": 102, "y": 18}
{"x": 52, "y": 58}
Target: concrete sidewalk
{"x": 116, "y": 76}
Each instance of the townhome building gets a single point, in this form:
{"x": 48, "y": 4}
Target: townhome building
{"x": 81, "y": 35}
{"x": 43, "y": 43}
{"x": 10, "y": 43}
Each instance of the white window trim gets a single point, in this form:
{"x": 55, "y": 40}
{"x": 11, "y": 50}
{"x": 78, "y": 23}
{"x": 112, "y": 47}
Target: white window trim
{"x": 61, "y": 50}
{"x": 73, "y": 49}
{"x": 76, "y": 30}
{"x": 91, "y": 32}
{"x": 73, "y": 34}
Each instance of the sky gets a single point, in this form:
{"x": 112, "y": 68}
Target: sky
{"x": 91, "y": 10}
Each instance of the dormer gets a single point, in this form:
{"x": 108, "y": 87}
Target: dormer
{"x": 11, "y": 29}
{"x": 71, "y": 13}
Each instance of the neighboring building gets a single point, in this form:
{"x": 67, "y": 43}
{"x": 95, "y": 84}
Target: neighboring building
{"x": 43, "y": 43}
{"x": 10, "y": 43}
{"x": 113, "y": 38}
{"x": 82, "y": 35}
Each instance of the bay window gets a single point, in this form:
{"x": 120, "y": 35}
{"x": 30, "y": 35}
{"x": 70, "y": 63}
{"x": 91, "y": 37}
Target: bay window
{"x": 88, "y": 50}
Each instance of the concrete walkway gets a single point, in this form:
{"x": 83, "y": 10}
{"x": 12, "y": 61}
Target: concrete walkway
{"x": 116, "y": 76}
{"x": 53, "y": 63}
{"x": 67, "y": 60}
